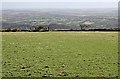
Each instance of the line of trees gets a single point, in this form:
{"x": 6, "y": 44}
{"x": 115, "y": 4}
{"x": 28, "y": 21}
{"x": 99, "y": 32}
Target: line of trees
{"x": 44, "y": 28}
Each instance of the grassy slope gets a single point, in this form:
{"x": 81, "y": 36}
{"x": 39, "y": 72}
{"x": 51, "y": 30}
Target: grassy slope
{"x": 60, "y": 54}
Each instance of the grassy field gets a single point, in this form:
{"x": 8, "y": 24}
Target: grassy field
{"x": 56, "y": 54}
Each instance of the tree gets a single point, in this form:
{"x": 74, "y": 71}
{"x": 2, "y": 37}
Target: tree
{"x": 41, "y": 28}
{"x": 85, "y": 25}
{"x": 8, "y": 29}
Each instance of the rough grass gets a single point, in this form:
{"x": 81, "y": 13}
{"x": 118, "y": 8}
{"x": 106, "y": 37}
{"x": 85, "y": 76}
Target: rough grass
{"x": 55, "y": 54}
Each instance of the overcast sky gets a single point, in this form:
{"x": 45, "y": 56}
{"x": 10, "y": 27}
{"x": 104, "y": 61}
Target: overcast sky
{"x": 73, "y": 4}
{"x": 60, "y": 0}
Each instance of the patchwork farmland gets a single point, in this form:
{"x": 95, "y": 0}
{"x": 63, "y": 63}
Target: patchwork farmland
{"x": 60, "y": 54}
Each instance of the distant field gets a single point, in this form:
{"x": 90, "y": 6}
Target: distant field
{"x": 56, "y": 54}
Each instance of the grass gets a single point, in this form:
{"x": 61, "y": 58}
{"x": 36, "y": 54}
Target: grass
{"x": 58, "y": 54}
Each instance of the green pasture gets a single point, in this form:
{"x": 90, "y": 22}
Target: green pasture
{"x": 60, "y": 54}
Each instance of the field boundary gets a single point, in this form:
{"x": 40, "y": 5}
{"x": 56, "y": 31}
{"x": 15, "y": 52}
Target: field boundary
{"x": 60, "y": 78}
